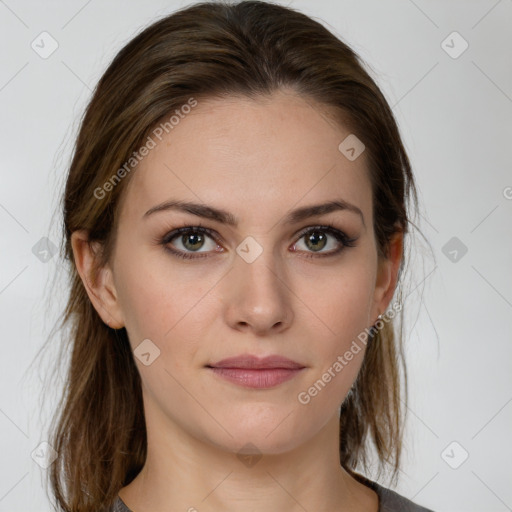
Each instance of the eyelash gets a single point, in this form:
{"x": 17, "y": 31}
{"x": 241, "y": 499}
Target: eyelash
{"x": 340, "y": 236}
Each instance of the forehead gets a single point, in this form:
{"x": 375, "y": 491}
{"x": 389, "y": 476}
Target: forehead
{"x": 261, "y": 157}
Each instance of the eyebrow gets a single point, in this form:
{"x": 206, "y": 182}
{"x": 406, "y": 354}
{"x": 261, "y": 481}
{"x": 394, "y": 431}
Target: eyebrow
{"x": 225, "y": 217}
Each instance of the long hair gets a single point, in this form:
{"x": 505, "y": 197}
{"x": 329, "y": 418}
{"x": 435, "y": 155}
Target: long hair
{"x": 210, "y": 50}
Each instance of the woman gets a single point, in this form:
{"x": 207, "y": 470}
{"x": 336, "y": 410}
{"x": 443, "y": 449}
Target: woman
{"x": 235, "y": 214}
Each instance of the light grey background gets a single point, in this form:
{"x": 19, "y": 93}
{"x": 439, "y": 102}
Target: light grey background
{"x": 455, "y": 118}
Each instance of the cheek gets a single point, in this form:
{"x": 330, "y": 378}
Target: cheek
{"x": 336, "y": 315}
{"x": 338, "y": 302}
{"x": 165, "y": 302}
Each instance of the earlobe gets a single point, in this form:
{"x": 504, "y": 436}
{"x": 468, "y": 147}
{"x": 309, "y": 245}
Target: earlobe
{"x": 98, "y": 281}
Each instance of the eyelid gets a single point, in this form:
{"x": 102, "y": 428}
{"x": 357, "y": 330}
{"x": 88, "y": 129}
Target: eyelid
{"x": 199, "y": 228}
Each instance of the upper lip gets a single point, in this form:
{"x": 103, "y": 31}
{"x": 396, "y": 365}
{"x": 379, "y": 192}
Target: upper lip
{"x": 254, "y": 362}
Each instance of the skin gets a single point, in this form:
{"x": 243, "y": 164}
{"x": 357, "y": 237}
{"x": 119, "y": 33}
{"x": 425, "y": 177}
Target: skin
{"x": 258, "y": 160}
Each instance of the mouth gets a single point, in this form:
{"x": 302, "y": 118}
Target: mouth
{"x": 254, "y": 372}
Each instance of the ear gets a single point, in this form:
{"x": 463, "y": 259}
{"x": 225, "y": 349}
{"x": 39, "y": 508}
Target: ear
{"x": 387, "y": 276}
{"x": 98, "y": 281}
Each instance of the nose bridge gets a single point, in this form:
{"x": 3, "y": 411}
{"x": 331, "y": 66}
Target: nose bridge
{"x": 257, "y": 266}
{"x": 257, "y": 287}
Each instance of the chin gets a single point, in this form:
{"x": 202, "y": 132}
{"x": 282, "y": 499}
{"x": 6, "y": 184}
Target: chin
{"x": 261, "y": 439}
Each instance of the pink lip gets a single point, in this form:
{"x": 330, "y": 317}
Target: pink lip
{"x": 254, "y": 372}
{"x": 248, "y": 361}
{"x": 256, "y": 378}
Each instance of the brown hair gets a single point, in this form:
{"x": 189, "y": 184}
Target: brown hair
{"x": 207, "y": 50}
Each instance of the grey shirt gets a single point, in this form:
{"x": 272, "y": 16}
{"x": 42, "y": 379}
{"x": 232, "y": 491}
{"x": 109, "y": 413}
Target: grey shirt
{"x": 389, "y": 501}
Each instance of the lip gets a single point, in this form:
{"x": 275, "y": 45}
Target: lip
{"x": 256, "y": 379}
{"x": 254, "y": 372}
{"x": 248, "y": 361}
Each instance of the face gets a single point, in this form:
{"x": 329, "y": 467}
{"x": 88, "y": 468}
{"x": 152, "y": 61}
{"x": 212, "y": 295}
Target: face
{"x": 266, "y": 283}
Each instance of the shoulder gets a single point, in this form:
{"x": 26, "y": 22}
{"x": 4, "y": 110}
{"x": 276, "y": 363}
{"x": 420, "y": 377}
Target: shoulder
{"x": 390, "y": 501}
{"x": 119, "y": 506}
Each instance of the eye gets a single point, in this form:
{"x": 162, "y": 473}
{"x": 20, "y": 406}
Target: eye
{"x": 318, "y": 238}
{"x": 187, "y": 242}
{"x": 190, "y": 238}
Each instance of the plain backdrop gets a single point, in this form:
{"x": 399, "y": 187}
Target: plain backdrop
{"x": 445, "y": 68}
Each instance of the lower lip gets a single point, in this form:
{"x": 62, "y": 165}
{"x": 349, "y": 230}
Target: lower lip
{"x": 259, "y": 379}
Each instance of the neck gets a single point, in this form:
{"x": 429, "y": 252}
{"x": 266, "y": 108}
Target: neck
{"x": 183, "y": 472}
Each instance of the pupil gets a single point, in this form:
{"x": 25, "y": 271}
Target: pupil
{"x": 196, "y": 238}
{"x": 315, "y": 237}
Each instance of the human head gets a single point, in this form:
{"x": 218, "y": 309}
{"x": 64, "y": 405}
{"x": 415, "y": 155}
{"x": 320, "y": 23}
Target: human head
{"x": 209, "y": 52}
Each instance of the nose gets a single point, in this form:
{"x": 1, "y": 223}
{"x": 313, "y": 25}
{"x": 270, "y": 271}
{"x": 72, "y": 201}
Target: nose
{"x": 258, "y": 295}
